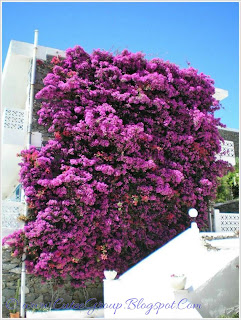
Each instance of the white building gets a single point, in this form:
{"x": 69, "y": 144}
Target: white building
{"x": 16, "y": 91}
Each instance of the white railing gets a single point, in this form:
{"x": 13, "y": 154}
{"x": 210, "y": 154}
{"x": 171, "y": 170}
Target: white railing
{"x": 226, "y": 222}
{"x": 11, "y": 210}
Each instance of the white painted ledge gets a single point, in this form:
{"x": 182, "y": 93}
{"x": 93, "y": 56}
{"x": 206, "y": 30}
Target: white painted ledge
{"x": 66, "y": 314}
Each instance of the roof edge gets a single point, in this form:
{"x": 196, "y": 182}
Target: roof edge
{"x": 229, "y": 129}
{"x": 26, "y": 49}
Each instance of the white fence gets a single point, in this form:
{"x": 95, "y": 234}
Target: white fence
{"x": 226, "y": 222}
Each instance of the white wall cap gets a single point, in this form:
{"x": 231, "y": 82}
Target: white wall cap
{"x": 26, "y": 49}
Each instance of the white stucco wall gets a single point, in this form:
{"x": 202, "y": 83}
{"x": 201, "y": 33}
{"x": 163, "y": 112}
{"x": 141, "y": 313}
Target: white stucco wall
{"x": 150, "y": 279}
{"x": 220, "y": 292}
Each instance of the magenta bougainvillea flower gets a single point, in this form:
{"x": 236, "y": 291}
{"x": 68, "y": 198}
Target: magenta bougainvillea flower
{"x": 134, "y": 149}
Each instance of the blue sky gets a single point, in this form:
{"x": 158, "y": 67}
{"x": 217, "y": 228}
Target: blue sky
{"x": 202, "y": 33}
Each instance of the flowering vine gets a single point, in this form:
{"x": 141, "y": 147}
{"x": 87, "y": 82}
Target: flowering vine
{"x": 134, "y": 148}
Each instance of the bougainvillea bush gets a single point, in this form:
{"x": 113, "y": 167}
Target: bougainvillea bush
{"x": 134, "y": 149}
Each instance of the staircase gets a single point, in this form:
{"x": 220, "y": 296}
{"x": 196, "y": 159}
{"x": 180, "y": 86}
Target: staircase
{"x": 144, "y": 291}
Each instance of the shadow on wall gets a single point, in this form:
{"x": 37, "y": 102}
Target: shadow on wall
{"x": 219, "y": 293}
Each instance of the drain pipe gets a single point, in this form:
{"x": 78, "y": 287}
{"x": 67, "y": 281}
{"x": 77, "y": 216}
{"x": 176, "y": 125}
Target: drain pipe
{"x": 30, "y": 116}
{"x": 29, "y": 132}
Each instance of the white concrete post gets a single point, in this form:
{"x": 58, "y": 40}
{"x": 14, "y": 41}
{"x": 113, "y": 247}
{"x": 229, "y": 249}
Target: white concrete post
{"x": 193, "y": 213}
{"x": 111, "y": 298}
{"x": 112, "y": 290}
{"x": 217, "y": 220}
{"x": 194, "y": 227}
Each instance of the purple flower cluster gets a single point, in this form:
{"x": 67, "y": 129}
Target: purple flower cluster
{"x": 134, "y": 149}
